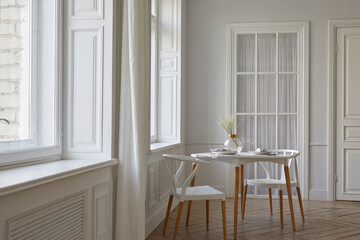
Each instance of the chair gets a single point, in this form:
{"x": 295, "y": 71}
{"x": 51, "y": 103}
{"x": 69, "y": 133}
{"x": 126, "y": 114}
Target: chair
{"x": 186, "y": 193}
{"x": 279, "y": 184}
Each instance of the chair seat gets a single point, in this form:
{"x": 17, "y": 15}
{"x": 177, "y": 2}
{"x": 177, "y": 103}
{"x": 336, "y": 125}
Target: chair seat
{"x": 200, "y": 193}
{"x": 269, "y": 183}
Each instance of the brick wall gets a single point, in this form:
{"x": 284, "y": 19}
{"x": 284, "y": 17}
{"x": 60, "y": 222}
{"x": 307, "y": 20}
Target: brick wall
{"x": 14, "y": 70}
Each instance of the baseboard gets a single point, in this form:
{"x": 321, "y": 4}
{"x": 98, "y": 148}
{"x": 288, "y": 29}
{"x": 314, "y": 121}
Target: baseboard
{"x": 154, "y": 221}
{"x": 318, "y": 194}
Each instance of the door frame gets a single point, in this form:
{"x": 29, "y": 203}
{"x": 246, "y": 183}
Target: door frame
{"x": 302, "y": 27}
{"x": 333, "y": 25}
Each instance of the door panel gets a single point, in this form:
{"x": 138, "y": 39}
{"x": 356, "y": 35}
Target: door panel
{"x": 348, "y": 114}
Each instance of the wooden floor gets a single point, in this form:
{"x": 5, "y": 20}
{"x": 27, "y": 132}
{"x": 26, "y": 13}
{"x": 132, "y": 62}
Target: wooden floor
{"x": 323, "y": 220}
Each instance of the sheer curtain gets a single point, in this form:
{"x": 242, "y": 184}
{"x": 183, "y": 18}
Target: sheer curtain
{"x": 267, "y": 95}
{"x": 134, "y": 120}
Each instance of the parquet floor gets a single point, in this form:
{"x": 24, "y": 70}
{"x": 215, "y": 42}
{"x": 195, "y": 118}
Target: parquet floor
{"x": 323, "y": 220}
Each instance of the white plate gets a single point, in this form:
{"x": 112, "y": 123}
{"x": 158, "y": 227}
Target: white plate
{"x": 225, "y": 153}
{"x": 259, "y": 153}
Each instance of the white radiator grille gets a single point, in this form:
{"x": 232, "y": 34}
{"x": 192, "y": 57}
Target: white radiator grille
{"x": 62, "y": 220}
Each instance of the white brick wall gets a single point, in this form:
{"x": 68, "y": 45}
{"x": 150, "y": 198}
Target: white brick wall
{"x": 13, "y": 61}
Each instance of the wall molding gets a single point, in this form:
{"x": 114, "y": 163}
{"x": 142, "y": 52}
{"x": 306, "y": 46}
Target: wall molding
{"x": 155, "y": 219}
{"x": 102, "y": 211}
{"x": 318, "y": 194}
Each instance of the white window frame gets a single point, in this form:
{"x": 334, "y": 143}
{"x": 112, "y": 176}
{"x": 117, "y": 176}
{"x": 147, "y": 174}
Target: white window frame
{"x": 154, "y": 71}
{"x": 166, "y": 75}
{"x": 28, "y": 151}
{"x": 302, "y": 29}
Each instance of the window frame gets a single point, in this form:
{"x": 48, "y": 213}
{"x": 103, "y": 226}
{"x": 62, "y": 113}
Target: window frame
{"x": 32, "y": 152}
{"x": 154, "y": 72}
{"x": 167, "y": 79}
{"x": 302, "y": 29}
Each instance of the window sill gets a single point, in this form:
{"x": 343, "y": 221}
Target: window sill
{"x": 157, "y": 147}
{"x": 24, "y": 177}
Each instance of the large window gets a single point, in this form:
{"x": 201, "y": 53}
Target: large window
{"x": 165, "y": 72}
{"x": 267, "y": 84}
{"x": 29, "y": 91}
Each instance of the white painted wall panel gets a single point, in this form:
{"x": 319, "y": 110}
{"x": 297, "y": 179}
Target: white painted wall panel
{"x": 86, "y": 94}
{"x": 167, "y": 99}
{"x": 87, "y": 9}
{"x": 352, "y": 76}
{"x": 88, "y": 79}
{"x": 102, "y": 208}
{"x": 351, "y": 171}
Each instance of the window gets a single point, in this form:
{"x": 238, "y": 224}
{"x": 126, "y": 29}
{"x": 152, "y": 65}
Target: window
{"x": 29, "y": 90}
{"x": 165, "y": 72}
{"x": 268, "y": 81}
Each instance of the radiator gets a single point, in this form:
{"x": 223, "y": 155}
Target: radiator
{"x": 64, "y": 219}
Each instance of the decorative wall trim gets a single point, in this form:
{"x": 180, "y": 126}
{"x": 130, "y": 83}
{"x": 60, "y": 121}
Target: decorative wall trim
{"x": 318, "y": 194}
{"x": 87, "y": 9}
{"x": 152, "y": 188}
{"x": 155, "y": 219}
{"x": 86, "y": 95}
{"x": 102, "y": 211}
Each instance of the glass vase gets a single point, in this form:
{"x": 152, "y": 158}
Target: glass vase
{"x": 233, "y": 143}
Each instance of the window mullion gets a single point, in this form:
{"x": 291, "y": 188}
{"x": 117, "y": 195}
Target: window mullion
{"x": 256, "y": 105}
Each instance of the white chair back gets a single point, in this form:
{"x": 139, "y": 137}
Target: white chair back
{"x": 293, "y": 153}
{"x": 175, "y": 175}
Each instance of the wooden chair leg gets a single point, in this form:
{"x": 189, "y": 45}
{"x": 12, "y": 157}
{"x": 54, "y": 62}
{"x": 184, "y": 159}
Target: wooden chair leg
{"x": 300, "y": 203}
{"x": 288, "y": 188}
{"x": 168, "y": 212}
{"x": 223, "y": 210}
{"x": 192, "y": 183}
{"x": 188, "y": 213}
{"x": 244, "y": 203}
{"x": 281, "y": 208}
{"x": 181, "y": 205}
{"x": 207, "y": 214}
{"x": 270, "y": 202}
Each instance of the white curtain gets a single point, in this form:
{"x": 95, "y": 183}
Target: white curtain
{"x": 134, "y": 121}
{"x": 284, "y": 63}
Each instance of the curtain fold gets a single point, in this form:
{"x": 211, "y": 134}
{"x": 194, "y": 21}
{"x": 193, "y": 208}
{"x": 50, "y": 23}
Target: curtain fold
{"x": 133, "y": 121}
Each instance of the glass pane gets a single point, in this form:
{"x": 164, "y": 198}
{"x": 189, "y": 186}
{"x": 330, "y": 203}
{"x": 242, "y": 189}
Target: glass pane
{"x": 246, "y": 133}
{"x": 266, "y": 93}
{"x": 287, "y": 132}
{"x": 266, "y": 52}
{"x": 246, "y": 94}
{"x": 246, "y": 53}
{"x": 15, "y": 72}
{"x": 266, "y": 133}
{"x": 287, "y": 93}
{"x": 287, "y": 52}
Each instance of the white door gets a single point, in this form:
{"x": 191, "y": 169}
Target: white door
{"x": 348, "y": 115}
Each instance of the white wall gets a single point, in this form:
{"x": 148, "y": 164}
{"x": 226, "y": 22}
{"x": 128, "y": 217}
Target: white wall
{"x": 206, "y": 70}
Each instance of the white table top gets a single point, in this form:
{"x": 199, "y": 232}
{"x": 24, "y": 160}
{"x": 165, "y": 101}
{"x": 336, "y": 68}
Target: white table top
{"x": 244, "y": 158}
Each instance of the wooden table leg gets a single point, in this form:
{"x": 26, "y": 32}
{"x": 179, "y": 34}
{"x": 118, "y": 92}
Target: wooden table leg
{"x": 236, "y": 199}
{"x": 192, "y": 183}
{"x": 242, "y": 185}
{"x": 288, "y": 187}
{"x": 281, "y": 208}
